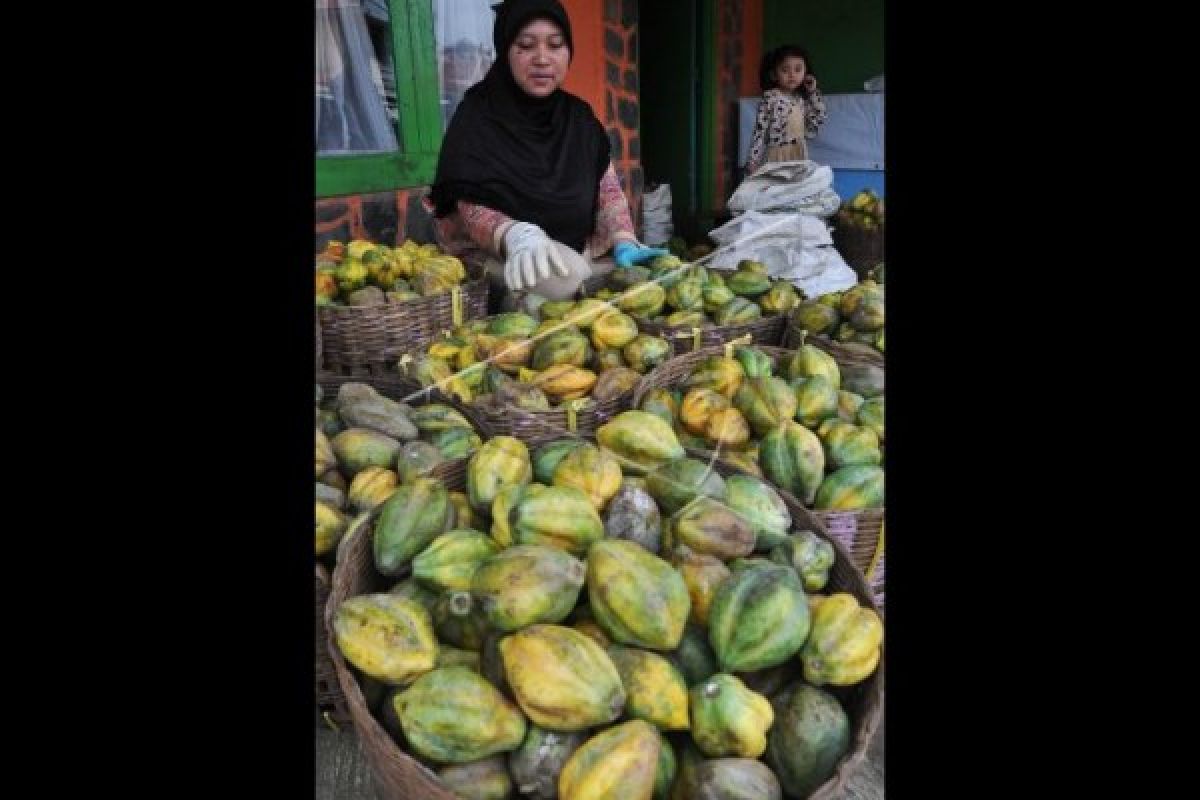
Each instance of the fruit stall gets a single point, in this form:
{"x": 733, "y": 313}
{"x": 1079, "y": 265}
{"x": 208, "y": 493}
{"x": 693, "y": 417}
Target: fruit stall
{"x": 630, "y": 544}
{"x": 631, "y": 539}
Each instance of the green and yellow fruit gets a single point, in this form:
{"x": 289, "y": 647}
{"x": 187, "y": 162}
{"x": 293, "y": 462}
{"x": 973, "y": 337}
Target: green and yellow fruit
{"x": 501, "y": 461}
{"x": 637, "y": 597}
{"x": 702, "y": 574}
{"x": 845, "y": 644}
{"x": 851, "y": 489}
{"x": 761, "y": 506}
{"x": 386, "y": 636}
{"x": 331, "y": 526}
{"x": 709, "y": 526}
{"x": 527, "y": 584}
{"x": 728, "y": 719}
{"x": 765, "y": 402}
{"x": 620, "y": 763}
{"x": 639, "y": 440}
{"x": 453, "y": 715}
{"x": 595, "y": 472}
{"x": 408, "y": 521}
{"x": 646, "y": 352}
{"x": 655, "y": 689}
{"x": 679, "y": 482}
{"x": 557, "y": 516}
{"x": 759, "y": 618}
{"x": 452, "y": 558}
{"x": 562, "y": 680}
{"x": 793, "y": 459}
{"x": 359, "y": 448}
{"x": 811, "y": 556}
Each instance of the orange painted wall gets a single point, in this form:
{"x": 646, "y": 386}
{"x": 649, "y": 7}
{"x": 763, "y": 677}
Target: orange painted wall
{"x": 586, "y": 75}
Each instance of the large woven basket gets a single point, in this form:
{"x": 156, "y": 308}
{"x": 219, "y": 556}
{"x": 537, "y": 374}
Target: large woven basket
{"x": 768, "y": 329}
{"x": 368, "y": 340}
{"x": 399, "y": 776}
{"x": 582, "y": 417}
{"x": 843, "y": 352}
{"x": 331, "y": 702}
{"x": 859, "y": 531}
{"x": 861, "y": 249}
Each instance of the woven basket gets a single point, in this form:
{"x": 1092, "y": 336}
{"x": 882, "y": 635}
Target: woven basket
{"x": 845, "y": 353}
{"x": 331, "y": 702}
{"x": 401, "y": 777}
{"x": 765, "y": 330}
{"x": 859, "y": 531}
{"x": 367, "y": 340}
{"x": 861, "y": 249}
{"x": 398, "y": 776}
{"x": 536, "y": 427}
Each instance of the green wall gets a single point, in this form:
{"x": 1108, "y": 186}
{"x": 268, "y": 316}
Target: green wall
{"x": 844, "y": 37}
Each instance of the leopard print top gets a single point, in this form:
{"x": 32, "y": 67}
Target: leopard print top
{"x": 770, "y": 126}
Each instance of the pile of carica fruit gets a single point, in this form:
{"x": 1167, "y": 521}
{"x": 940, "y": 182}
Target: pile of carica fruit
{"x": 673, "y": 293}
{"x": 365, "y": 274}
{"x": 864, "y": 210}
{"x": 574, "y": 350}
{"x": 607, "y": 619}
{"x": 368, "y": 444}
{"x": 855, "y": 315}
{"x": 809, "y": 426}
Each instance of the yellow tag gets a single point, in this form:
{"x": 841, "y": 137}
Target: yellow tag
{"x": 732, "y": 343}
{"x": 573, "y": 408}
{"x": 329, "y": 721}
{"x": 405, "y": 361}
{"x": 456, "y": 305}
{"x": 876, "y": 555}
{"x": 695, "y": 338}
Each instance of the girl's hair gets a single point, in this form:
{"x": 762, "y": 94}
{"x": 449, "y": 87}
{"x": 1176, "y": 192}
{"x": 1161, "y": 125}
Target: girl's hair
{"x": 766, "y": 73}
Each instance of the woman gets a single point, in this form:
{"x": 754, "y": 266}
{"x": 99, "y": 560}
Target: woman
{"x": 524, "y": 177}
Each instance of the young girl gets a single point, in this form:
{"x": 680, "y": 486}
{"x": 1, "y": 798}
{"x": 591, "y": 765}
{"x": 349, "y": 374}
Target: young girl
{"x": 790, "y": 110}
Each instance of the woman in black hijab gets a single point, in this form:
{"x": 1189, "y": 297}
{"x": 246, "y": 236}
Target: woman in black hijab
{"x": 524, "y": 171}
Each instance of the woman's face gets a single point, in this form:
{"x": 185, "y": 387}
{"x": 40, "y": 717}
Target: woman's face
{"x": 790, "y": 73}
{"x": 538, "y": 58}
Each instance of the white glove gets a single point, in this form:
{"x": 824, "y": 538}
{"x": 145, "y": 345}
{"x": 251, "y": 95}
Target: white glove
{"x": 531, "y": 256}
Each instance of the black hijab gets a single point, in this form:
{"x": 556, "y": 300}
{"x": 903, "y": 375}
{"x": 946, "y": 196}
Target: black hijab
{"x": 538, "y": 160}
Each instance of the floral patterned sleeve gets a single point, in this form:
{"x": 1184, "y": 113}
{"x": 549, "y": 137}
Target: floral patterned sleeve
{"x": 814, "y": 113}
{"x": 613, "y": 221}
{"x": 758, "y": 139}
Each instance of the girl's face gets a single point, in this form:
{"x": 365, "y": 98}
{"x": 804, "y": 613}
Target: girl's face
{"x": 790, "y": 73}
{"x": 538, "y": 58}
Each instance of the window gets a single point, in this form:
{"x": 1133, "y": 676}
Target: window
{"x": 463, "y": 32}
{"x": 379, "y": 120}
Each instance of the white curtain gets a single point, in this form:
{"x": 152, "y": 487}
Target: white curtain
{"x": 351, "y": 116}
{"x": 463, "y": 37}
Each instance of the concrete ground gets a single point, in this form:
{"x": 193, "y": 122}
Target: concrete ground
{"x": 342, "y": 772}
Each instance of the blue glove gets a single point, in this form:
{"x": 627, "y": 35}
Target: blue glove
{"x": 628, "y": 253}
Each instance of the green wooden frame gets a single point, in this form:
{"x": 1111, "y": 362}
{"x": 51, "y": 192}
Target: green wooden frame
{"x": 706, "y": 167}
{"x": 418, "y": 102}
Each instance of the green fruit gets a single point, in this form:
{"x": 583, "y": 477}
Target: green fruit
{"x": 793, "y": 459}
{"x": 679, "y": 482}
{"x": 762, "y": 507}
{"x": 810, "y": 735}
{"x": 759, "y": 618}
{"x": 452, "y": 715}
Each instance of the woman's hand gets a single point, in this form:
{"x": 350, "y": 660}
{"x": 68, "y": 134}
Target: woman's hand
{"x": 627, "y": 253}
{"x": 810, "y": 81}
{"x": 530, "y": 257}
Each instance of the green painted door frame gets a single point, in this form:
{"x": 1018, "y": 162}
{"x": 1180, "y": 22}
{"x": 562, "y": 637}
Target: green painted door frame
{"x": 418, "y": 102}
{"x": 706, "y": 112}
